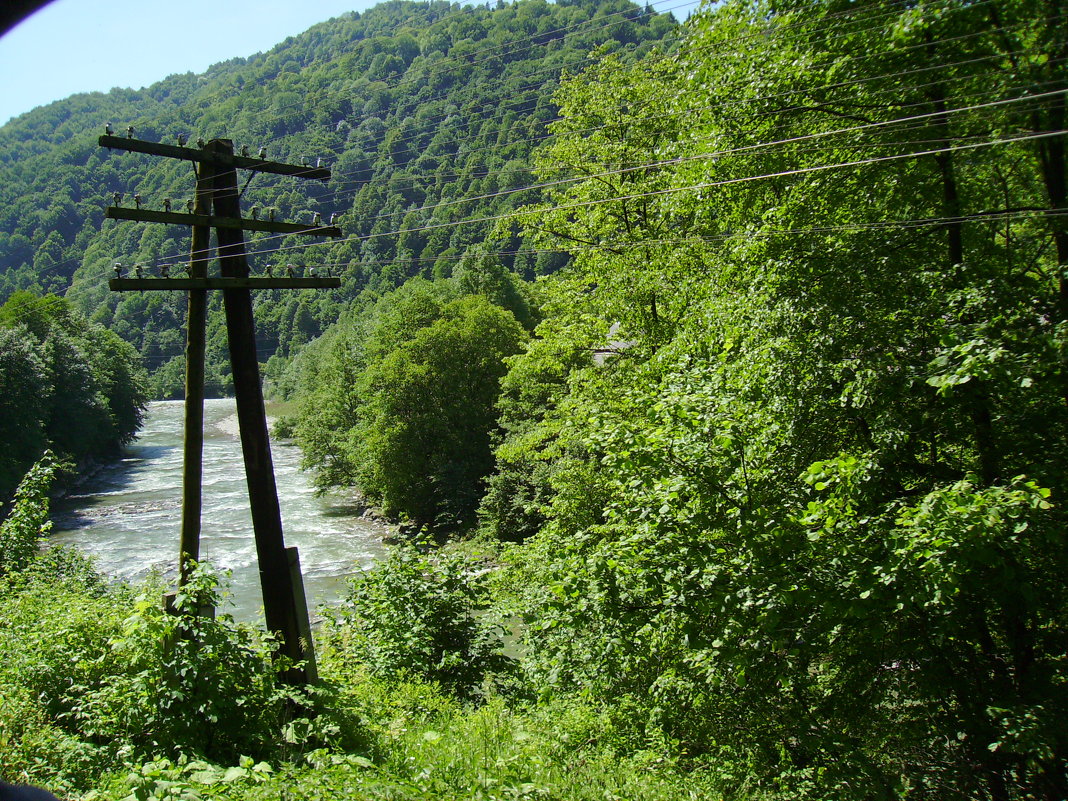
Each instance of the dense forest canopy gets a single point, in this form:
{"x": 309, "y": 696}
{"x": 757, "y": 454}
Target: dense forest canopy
{"x": 426, "y": 113}
{"x": 801, "y": 516}
{"x": 768, "y": 460}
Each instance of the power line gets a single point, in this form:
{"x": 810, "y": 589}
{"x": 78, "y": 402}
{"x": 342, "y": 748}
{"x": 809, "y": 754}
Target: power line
{"x": 708, "y": 156}
{"x": 731, "y": 45}
{"x": 730, "y": 151}
{"x": 615, "y": 245}
{"x": 673, "y": 190}
{"x": 842, "y": 84}
{"x": 725, "y": 182}
{"x": 619, "y": 245}
{"x": 542, "y": 168}
{"x": 338, "y": 193}
{"x": 38, "y": 305}
{"x": 761, "y": 99}
{"x": 735, "y": 40}
{"x": 622, "y": 245}
{"x": 463, "y": 60}
{"x": 527, "y": 188}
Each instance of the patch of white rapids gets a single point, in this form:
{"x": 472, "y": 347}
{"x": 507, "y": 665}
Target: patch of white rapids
{"x": 128, "y": 515}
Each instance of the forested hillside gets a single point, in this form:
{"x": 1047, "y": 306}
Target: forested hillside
{"x": 424, "y": 112}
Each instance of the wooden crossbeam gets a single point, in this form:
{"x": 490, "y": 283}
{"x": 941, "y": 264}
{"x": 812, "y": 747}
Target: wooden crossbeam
{"x": 215, "y": 158}
{"x": 143, "y": 284}
{"x": 241, "y": 223}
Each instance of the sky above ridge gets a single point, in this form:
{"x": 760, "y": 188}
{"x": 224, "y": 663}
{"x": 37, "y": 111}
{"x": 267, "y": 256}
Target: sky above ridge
{"x": 72, "y": 46}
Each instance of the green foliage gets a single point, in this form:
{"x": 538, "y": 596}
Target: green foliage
{"x": 34, "y": 749}
{"x": 786, "y": 448}
{"x": 26, "y": 523}
{"x": 563, "y": 751}
{"x": 23, "y": 403}
{"x": 792, "y": 511}
{"x": 65, "y": 383}
{"x": 189, "y": 780}
{"x": 93, "y": 678}
{"x": 417, "y": 615}
{"x": 427, "y": 746}
{"x": 479, "y": 273}
{"x": 56, "y": 620}
{"x": 431, "y": 412}
{"x": 191, "y": 684}
{"x": 400, "y": 400}
{"x": 519, "y": 490}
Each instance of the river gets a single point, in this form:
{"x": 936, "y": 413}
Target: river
{"x": 128, "y": 514}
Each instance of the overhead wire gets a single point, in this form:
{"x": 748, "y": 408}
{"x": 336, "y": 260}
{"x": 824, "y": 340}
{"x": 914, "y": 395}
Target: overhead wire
{"x": 644, "y": 166}
{"x": 39, "y": 303}
{"x": 715, "y": 155}
{"x": 338, "y": 193}
{"x": 763, "y": 99}
{"x": 458, "y": 201}
{"x": 687, "y": 188}
{"x": 725, "y": 152}
{"x": 290, "y": 249}
{"x": 481, "y": 174}
{"x": 870, "y": 55}
{"x": 619, "y": 245}
{"x": 465, "y": 59}
{"x": 734, "y": 41}
{"x": 737, "y": 180}
{"x": 305, "y": 104}
{"x": 616, "y": 245}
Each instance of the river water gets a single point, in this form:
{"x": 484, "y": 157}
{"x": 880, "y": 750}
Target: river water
{"x": 128, "y": 515}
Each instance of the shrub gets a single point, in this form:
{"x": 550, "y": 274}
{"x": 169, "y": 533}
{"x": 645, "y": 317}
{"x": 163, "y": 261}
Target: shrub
{"x": 34, "y": 749}
{"x": 189, "y": 684}
{"x": 57, "y": 619}
{"x": 27, "y": 522}
{"x": 421, "y": 615}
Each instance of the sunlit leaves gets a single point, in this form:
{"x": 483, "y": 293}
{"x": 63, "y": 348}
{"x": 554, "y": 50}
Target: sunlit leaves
{"x": 799, "y": 512}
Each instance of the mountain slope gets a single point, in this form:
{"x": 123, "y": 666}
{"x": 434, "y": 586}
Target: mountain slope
{"x": 415, "y": 106}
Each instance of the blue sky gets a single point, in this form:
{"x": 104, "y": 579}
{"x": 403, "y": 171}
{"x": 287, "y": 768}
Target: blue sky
{"x": 73, "y": 46}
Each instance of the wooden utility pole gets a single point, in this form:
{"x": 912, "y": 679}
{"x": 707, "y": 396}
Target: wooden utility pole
{"x": 196, "y": 322}
{"x": 217, "y": 206}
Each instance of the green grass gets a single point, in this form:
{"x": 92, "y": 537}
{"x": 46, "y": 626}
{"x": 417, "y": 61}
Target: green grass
{"x": 422, "y": 745}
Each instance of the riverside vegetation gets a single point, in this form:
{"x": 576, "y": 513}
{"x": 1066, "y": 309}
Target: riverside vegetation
{"x": 766, "y": 478}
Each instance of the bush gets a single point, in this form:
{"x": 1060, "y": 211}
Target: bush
{"x": 93, "y": 678}
{"x": 420, "y": 615}
{"x": 57, "y": 620}
{"x": 27, "y": 522}
{"x": 189, "y": 684}
{"x": 34, "y": 749}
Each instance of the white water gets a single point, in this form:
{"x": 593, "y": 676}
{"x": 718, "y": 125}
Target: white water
{"x": 128, "y": 515}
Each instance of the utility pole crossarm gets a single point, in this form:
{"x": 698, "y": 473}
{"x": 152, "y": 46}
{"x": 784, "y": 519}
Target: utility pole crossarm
{"x": 215, "y": 158}
{"x": 242, "y": 223}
